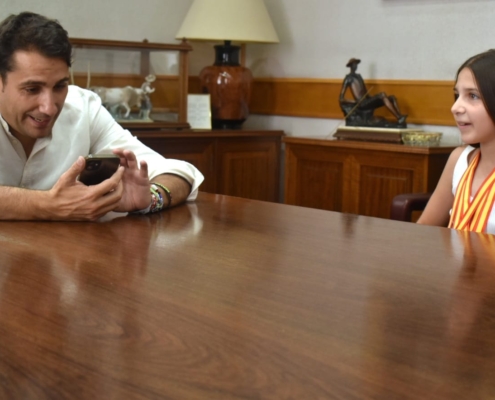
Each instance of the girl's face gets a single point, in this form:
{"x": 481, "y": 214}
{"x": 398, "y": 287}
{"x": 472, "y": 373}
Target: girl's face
{"x": 470, "y": 113}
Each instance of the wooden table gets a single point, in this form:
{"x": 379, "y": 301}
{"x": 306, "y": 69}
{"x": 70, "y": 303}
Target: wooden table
{"x": 231, "y": 298}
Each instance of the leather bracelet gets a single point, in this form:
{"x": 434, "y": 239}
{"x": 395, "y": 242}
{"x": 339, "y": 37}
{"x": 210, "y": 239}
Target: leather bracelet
{"x": 167, "y": 193}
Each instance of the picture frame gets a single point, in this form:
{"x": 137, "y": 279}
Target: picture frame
{"x": 199, "y": 111}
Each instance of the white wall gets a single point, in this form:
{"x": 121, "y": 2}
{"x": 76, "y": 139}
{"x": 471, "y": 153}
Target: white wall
{"x": 395, "y": 39}
{"x": 155, "y": 20}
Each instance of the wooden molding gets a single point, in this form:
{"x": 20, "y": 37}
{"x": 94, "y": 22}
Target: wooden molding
{"x": 425, "y": 102}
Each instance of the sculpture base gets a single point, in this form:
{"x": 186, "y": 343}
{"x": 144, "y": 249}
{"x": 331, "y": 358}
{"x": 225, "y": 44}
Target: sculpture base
{"x": 376, "y": 122}
{"x": 365, "y": 118}
{"x": 388, "y": 135}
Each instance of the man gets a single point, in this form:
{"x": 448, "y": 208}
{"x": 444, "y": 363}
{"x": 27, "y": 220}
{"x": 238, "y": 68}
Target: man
{"x": 47, "y": 127}
{"x": 363, "y": 101}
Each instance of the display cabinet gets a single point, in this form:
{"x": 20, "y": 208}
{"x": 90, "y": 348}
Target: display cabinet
{"x": 117, "y": 64}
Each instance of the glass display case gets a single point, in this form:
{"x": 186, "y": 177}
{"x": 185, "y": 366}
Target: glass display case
{"x": 144, "y": 85}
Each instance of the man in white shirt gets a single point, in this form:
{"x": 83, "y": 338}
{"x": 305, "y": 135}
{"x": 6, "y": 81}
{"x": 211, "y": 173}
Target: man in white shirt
{"x": 47, "y": 128}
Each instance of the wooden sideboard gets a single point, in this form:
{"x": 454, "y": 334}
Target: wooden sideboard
{"x": 358, "y": 177}
{"x": 243, "y": 163}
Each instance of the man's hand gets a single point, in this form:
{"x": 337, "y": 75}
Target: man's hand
{"x": 136, "y": 194}
{"x": 71, "y": 200}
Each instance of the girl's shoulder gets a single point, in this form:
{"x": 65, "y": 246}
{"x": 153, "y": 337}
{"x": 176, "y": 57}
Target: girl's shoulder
{"x": 462, "y": 153}
{"x": 459, "y": 161}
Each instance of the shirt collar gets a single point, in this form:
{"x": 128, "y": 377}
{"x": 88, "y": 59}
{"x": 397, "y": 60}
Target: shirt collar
{"x": 5, "y": 126}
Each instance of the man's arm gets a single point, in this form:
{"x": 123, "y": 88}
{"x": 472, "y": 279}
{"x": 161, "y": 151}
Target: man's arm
{"x": 179, "y": 188}
{"x": 20, "y": 204}
{"x": 137, "y": 194}
{"x": 68, "y": 200}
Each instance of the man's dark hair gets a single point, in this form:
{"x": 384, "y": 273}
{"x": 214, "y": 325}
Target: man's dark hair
{"x": 32, "y": 32}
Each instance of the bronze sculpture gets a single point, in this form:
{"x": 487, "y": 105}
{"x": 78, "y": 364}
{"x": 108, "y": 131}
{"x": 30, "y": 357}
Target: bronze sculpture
{"x": 359, "y": 112}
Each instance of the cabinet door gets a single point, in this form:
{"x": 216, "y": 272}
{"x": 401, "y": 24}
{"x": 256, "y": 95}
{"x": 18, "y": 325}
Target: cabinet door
{"x": 379, "y": 176}
{"x": 249, "y": 167}
{"x": 357, "y": 180}
{"x": 315, "y": 177}
{"x": 198, "y": 152}
{"x": 350, "y": 180}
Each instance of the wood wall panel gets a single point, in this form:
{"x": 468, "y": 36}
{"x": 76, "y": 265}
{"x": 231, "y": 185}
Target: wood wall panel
{"x": 425, "y": 102}
{"x": 296, "y": 97}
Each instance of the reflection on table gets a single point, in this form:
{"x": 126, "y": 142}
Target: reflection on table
{"x": 232, "y": 298}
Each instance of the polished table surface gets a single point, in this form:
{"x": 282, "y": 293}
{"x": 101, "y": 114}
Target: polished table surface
{"x": 229, "y": 298}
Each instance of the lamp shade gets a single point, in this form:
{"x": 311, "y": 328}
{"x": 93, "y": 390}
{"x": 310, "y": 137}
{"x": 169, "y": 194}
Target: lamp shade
{"x": 235, "y": 20}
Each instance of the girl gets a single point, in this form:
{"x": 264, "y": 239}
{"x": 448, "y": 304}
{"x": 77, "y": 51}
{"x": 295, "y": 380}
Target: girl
{"x": 464, "y": 196}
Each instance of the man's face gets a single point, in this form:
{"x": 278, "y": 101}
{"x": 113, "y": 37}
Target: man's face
{"x": 33, "y": 93}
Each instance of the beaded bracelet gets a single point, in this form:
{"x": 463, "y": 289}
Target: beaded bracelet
{"x": 156, "y": 204}
{"x": 167, "y": 192}
{"x": 156, "y": 200}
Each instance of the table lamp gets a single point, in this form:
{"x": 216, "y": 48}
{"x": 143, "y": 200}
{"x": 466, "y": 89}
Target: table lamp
{"x": 227, "y": 82}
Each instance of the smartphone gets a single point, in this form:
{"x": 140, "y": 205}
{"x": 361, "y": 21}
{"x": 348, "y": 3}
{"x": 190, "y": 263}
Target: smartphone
{"x": 98, "y": 168}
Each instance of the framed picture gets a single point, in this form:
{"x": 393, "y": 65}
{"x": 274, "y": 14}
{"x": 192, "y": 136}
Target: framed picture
{"x": 199, "y": 111}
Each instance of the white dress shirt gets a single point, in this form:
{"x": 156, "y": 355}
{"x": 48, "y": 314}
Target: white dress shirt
{"x": 83, "y": 127}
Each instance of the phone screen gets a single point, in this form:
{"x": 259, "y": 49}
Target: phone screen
{"x": 98, "y": 168}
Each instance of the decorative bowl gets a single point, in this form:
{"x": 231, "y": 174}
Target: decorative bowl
{"x": 421, "y": 138}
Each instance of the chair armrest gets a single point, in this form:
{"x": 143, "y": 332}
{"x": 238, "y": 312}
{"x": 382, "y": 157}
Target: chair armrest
{"x": 404, "y": 204}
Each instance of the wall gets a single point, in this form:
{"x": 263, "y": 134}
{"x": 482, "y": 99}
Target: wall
{"x": 395, "y": 39}
{"x": 155, "y": 20}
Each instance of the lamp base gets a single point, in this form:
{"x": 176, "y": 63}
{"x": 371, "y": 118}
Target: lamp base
{"x": 227, "y": 124}
{"x": 229, "y": 86}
